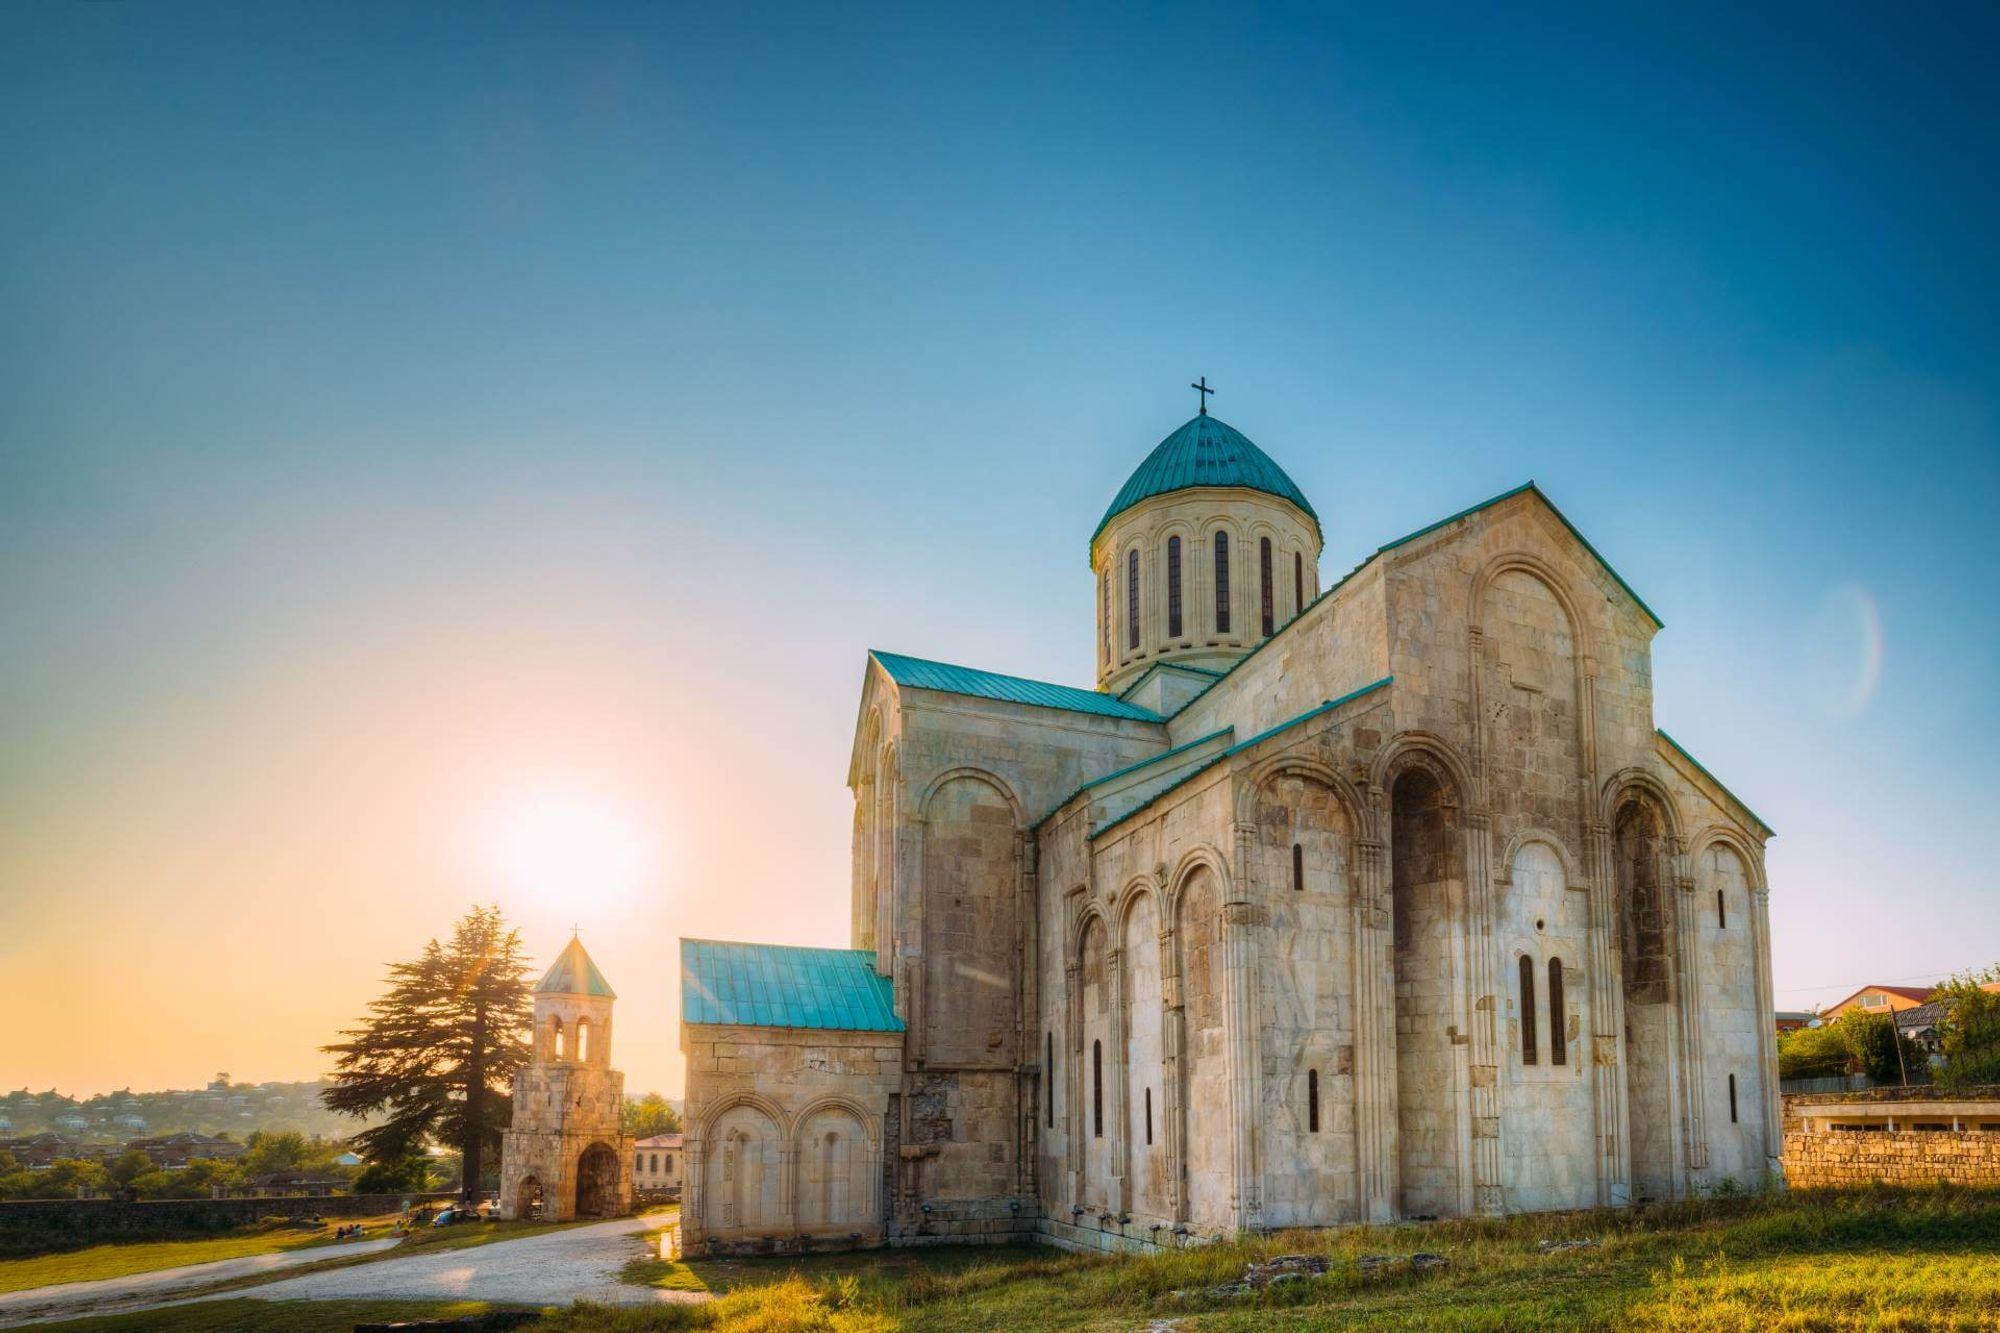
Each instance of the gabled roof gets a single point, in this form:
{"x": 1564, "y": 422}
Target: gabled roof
{"x": 574, "y": 974}
{"x": 1702, "y": 769}
{"x": 920, "y": 673}
{"x": 784, "y": 986}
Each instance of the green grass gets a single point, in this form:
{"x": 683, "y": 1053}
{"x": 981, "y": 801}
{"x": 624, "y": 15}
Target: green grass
{"x": 123, "y": 1260}
{"x": 1825, "y": 1260}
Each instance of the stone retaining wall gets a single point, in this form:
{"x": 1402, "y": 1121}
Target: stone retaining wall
{"x": 90, "y": 1217}
{"x": 1904, "y": 1157}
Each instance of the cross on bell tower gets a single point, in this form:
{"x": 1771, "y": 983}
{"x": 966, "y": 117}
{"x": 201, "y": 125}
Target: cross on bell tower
{"x": 1201, "y": 387}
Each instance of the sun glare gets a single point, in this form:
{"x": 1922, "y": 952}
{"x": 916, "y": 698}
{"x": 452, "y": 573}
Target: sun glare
{"x": 568, "y": 849}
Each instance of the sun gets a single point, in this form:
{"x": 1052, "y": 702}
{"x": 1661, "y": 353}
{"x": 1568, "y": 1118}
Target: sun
{"x": 569, "y": 849}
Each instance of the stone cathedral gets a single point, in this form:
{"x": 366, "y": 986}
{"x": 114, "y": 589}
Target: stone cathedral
{"x": 1327, "y": 905}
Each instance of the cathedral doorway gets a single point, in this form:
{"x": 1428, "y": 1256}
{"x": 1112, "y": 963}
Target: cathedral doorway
{"x": 1423, "y": 886}
{"x": 1645, "y": 936}
{"x": 597, "y": 1182}
{"x": 528, "y": 1201}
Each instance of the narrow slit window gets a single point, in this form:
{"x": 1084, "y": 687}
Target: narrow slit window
{"x": 1298, "y": 868}
{"x": 1049, "y": 1079}
{"x": 1298, "y": 582}
{"x": 1312, "y": 1101}
{"x": 1721, "y": 912}
{"x": 1097, "y": 1089}
{"x": 1528, "y": 1023}
{"x": 1173, "y": 587}
{"x": 1222, "y": 583}
{"x": 1558, "y": 1038}
{"x": 1149, "y": 1117}
{"x": 1264, "y": 583}
{"x": 1132, "y": 599}
{"x": 1732, "y": 1099}
{"x": 1104, "y": 588}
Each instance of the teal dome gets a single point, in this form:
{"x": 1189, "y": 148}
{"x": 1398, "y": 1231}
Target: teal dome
{"x": 1206, "y": 452}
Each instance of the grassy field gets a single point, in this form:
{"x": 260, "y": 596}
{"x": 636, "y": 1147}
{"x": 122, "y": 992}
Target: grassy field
{"x": 247, "y": 1316}
{"x": 123, "y": 1260}
{"x": 1873, "y": 1259}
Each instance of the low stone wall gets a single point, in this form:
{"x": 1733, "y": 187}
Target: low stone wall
{"x": 108, "y": 1217}
{"x": 966, "y": 1222}
{"x": 1087, "y": 1233}
{"x": 1905, "y": 1157}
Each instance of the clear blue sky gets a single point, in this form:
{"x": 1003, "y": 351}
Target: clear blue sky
{"x": 394, "y": 395}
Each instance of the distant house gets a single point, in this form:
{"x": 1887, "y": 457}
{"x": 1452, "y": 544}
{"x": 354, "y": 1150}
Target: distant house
{"x": 174, "y": 1151}
{"x": 292, "y": 1184}
{"x": 658, "y": 1165}
{"x": 1879, "y": 999}
{"x": 348, "y": 1159}
{"x": 1791, "y": 1020}
{"x": 39, "y": 1150}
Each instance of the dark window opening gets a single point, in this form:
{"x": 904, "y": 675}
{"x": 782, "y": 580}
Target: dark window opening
{"x": 1298, "y": 582}
{"x": 1149, "y": 1117}
{"x": 1097, "y": 1089}
{"x": 1222, "y": 583}
{"x": 1105, "y": 588}
{"x": 1528, "y": 1023}
{"x": 1174, "y": 587}
{"x": 1264, "y": 581}
{"x": 1132, "y": 599}
{"x": 1312, "y": 1101}
{"x": 1298, "y": 868}
{"x": 1558, "y": 1037}
{"x": 1732, "y": 1099}
{"x": 1049, "y": 1079}
{"x": 1721, "y": 912}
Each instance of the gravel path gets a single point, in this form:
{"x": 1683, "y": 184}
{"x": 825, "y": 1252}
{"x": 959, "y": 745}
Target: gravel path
{"x": 139, "y": 1290}
{"x": 575, "y": 1264}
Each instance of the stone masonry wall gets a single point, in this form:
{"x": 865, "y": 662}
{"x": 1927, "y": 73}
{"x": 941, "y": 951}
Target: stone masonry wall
{"x": 1904, "y": 1157}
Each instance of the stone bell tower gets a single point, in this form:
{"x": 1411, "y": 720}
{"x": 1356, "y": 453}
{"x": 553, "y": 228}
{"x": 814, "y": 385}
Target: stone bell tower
{"x": 567, "y": 1150}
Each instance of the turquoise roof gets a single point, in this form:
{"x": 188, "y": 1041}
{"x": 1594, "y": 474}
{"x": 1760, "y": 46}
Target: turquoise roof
{"x": 924, "y": 675}
{"x": 1205, "y": 452}
{"x": 574, "y": 974}
{"x": 784, "y": 986}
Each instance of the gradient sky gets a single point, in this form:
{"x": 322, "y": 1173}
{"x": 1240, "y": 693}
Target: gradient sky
{"x": 419, "y": 419}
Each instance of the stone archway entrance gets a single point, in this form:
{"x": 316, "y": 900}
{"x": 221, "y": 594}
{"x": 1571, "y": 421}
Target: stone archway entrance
{"x": 528, "y": 1201}
{"x": 597, "y": 1182}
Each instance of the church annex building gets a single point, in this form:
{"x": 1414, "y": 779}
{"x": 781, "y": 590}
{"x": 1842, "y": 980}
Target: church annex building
{"x": 1328, "y": 905}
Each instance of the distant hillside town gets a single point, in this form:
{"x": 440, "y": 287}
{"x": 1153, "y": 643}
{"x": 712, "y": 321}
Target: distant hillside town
{"x": 223, "y": 1107}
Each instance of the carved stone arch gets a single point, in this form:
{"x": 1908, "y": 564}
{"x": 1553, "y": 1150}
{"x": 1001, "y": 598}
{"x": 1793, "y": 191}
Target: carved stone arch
{"x": 1202, "y": 854}
{"x": 1549, "y": 576}
{"x": 1250, "y": 787}
{"x": 755, "y": 1101}
{"x": 1503, "y": 872}
{"x": 870, "y": 1124}
{"x": 1713, "y": 834}
{"x": 1626, "y": 781}
{"x": 1140, "y": 886}
{"x": 1423, "y": 749}
{"x": 987, "y": 776}
{"x": 1090, "y": 915}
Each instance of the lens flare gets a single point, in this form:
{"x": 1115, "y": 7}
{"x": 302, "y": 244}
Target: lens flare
{"x": 1843, "y": 646}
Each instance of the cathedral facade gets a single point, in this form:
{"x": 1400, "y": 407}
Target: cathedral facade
{"x": 1327, "y": 905}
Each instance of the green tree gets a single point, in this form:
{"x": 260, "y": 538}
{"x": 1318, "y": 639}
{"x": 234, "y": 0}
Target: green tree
{"x": 439, "y": 1050}
{"x": 1820, "y": 1052}
{"x": 411, "y": 1175}
{"x": 649, "y": 1115}
{"x": 265, "y": 1153}
{"x": 129, "y": 1166}
{"x": 1880, "y": 1050}
{"x": 1969, "y": 1036}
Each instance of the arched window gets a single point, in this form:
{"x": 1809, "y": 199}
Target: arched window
{"x": 1222, "y": 583}
{"x": 1298, "y": 868}
{"x": 1312, "y": 1101}
{"x": 1149, "y": 1117}
{"x": 1298, "y": 582}
{"x": 1097, "y": 1089}
{"x": 1104, "y": 598}
{"x": 1174, "y": 587}
{"x": 1049, "y": 1079}
{"x": 639, "y": 1161}
{"x": 1558, "y": 1026}
{"x": 1528, "y": 1023}
{"x": 1721, "y": 912}
{"x": 1732, "y": 1099}
{"x": 582, "y": 1039}
{"x": 1132, "y": 599}
{"x": 556, "y": 1050}
{"x": 656, "y": 1162}
{"x": 1264, "y": 583}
